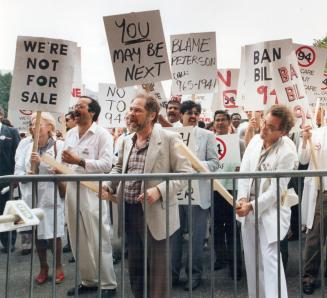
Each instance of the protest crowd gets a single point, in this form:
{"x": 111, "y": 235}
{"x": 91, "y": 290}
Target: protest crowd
{"x": 129, "y": 131}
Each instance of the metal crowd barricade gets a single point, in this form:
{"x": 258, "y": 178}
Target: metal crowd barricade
{"x": 123, "y": 285}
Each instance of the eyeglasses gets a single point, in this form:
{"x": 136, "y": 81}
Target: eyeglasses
{"x": 190, "y": 113}
{"x": 269, "y": 127}
{"x": 67, "y": 119}
{"x": 79, "y": 106}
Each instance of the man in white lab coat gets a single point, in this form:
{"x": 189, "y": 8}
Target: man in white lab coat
{"x": 272, "y": 150}
{"x": 89, "y": 149}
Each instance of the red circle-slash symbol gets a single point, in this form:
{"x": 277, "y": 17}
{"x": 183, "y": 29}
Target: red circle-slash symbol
{"x": 306, "y": 56}
{"x": 221, "y": 147}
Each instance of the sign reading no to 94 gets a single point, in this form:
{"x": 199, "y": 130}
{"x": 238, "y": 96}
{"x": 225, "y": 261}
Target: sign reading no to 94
{"x": 221, "y": 148}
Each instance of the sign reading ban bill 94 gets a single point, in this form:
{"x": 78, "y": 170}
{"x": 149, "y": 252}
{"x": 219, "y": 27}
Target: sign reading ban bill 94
{"x": 137, "y": 48}
{"x": 114, "y": 104}
{"x": 193, "y": 63}
{"x": 43, "y": 74}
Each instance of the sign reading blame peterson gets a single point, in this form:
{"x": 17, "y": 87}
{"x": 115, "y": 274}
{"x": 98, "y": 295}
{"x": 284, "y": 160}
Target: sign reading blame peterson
{"x": 137, "y": 48}
{"x": 43, "y": 74}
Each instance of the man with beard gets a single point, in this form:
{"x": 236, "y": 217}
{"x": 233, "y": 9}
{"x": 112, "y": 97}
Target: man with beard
{"x": 88, "y": 149}
{"x": 149, "y": 149}
{"x": 173, "y": 111}
{"x": 206, "y": 152}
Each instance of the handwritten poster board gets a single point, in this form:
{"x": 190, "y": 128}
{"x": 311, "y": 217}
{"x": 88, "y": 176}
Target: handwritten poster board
{"x": 229, "y": 156}
{"x": 256, "y": 85}
{"x": 290, "y": 88}
{"x": 43, "y": 74}
{"x": 312, "y": 62}
{"x": 225, "y": 98}
{"x": 137, "y": 48}
{"x": 193, "y": 63}
{"x": 114, "y": 104}
{"x": 188, "y": 138}
{"x": 158, "y": 92}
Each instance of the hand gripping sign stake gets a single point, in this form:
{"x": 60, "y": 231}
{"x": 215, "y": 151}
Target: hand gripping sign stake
{"x": 17, "y": 215}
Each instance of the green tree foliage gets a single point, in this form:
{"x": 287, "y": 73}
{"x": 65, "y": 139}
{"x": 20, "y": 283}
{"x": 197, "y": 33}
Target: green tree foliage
{"x": 321, "y": 43}
{"x": 5, "y": 82}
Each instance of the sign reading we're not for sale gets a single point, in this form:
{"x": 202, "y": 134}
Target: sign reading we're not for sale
{"x": 43, "y": 74}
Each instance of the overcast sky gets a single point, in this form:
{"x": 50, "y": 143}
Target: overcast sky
{"x": 236, "y": 22}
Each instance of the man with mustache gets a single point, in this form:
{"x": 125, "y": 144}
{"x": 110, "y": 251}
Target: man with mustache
{"x": 206, "y": 151}
{"x": 89, "y": 149}
{"x": 173, "y": 111}
{"x": 148, "y": 149}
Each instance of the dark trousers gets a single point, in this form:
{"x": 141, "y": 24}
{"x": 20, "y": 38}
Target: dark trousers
{"x": 312, "y": 252}
{"x": 157, "y": 271}
{"x": 224, "y": 234}
{"x": 199, "y": 228}
{"x": 4, "y": 237}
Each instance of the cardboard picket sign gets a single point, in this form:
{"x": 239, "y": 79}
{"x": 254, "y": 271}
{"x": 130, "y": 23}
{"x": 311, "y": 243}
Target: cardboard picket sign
{"x": 77, "y": 86}
{"x": 290, "y": 89}
{"x": 205, "y": 100}
{"x": 18, "y": 215}
{"x": 188, "y": 139}
{"x": 137, "y": 48}
{"x": 114, "y": 104}
{"x": 312, "y": 62}
{"x": 229, "y": 156}
{"x": 226, "y": 95}
{"x": 43, "y": 74}
{"x": 157, "y": 90}
{"x": 20, "y": 119}
{"x": 193, "y": 63}
{"x": 257, "y": 91}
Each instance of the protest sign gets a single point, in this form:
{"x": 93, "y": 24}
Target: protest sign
{"x": 312, "y": 62}
{"x": 322, "y": 91}
{"x": 290, "y": 88}
{"x": 20, "y": 119}
{"x": 188, "y": 138}
{"x": 114, "y": 104}
{"x": 225, "y": 98}
{"x": 193, "y": 63}
{"x": 256, "y": 85}
{"x": 205, "y": 100}
{"x": 137, "y": 48}
{"x": 229, "y": 156}
{"x": 43, "y": 74}
{"x": 77, "y": 87}
{"x": 158, "y": 92}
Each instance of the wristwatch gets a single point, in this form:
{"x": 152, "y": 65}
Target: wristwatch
{"x": 82, "y": 163}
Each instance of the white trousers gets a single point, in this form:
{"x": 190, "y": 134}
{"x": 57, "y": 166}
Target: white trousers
{"x": 89, "y": 239}
{"x": 268, "y": 263}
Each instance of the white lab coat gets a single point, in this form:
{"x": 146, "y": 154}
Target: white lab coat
{"x": 282, "y": 156}
{"x": 310, "y": 190}
{"x": 45, "y": 191}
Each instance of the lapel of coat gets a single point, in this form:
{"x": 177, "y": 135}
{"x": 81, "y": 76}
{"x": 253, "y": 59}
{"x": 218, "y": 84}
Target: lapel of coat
{"x": 153, "y": 150}
{"x": 127, "y": 151}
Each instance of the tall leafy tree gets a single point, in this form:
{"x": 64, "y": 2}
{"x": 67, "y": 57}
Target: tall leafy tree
{"x": 5, "y": 83}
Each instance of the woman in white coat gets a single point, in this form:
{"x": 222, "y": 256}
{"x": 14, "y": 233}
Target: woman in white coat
{"x": 45, "y": 195}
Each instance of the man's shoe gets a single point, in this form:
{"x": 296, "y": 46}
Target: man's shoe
{"x": 108, "y": 293}
{"x": 25, "y": 251}
{"x": 81, "y": 289}
{"x": 71, "y": 260}
{"x": 67, "y": 248}
{"x": 194, "y": 284}
{"x": 308, "y": 288}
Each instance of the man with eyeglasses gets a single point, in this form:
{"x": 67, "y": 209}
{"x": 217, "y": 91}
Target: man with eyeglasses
{"x": 89, "y": 149}
{"x": 271, "y": 150}
{"x": 206, "y": 151}
{"x": 70, "y": 120}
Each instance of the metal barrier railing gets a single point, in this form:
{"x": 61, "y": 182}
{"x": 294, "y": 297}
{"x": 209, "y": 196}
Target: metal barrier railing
{"x": 100, "y": 178}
